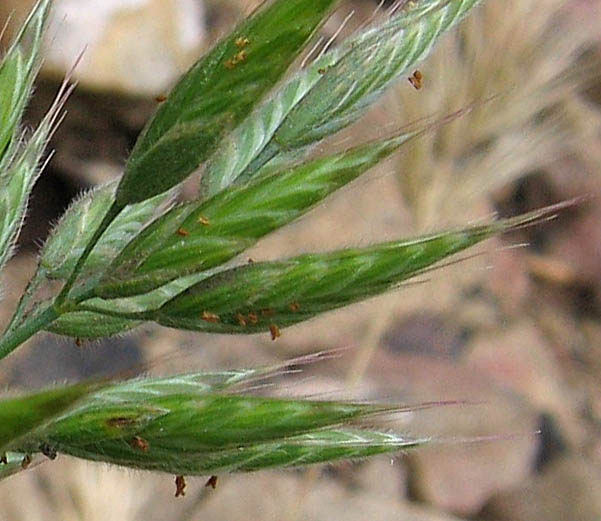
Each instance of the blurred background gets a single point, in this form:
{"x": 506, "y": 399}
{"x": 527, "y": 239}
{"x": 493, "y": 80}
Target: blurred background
{"x": 516, "y": 328}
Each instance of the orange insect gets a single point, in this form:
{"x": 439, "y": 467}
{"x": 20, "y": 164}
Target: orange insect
{"x": 182, "y": 232}
{"x": 236, "y": 59}
{"x": 140, "y": 443}
{"x": 180, "y": 485}
{"x": 210, "y": 317}
{"x": 203, "y": 220}
{"x": 275, "y": 331}
{"x": 294, "y": 307}
{"x": 241, "y": 319}
{"x": 241, "y": 57}
{"x": 241, "y": 42}
{"x": 160, "y": 98}
{"x": 416, "y": 79}
{"x": 78, "y": 342}
{"x": 212, "y": 482}
{"x": 253, "y": 318}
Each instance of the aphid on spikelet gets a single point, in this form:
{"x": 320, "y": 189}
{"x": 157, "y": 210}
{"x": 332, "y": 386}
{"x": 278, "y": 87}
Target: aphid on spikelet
{"x": 241, "y": 42}
{"x": 241, "y": 57}
{"x": 48, "y": 451}
{"x": 140, "y": 443}
{"x": 26, "y": 461}
{"x": 416, "y": 79}
{"x": 275, "y": 331}
{"x": 180, "y": 485}
{"x": 160, "y": 98}
{"x": 236, "y": 59}
{"x": 210, "y": 317}
{"x": 182, "y": 232}
{"x": 211, "y": 482}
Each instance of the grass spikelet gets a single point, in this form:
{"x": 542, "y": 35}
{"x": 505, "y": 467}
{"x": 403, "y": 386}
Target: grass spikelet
{"x": 180, "y": 425}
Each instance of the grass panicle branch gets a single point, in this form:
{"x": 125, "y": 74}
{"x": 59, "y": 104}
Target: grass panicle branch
{"x": 127, "y": 255}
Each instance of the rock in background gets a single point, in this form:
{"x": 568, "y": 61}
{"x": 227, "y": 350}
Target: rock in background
{"x": 133, "y": 46}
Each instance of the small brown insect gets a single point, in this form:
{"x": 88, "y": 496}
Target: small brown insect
{"x": 212, "y": 482}
{"x": 416, "y": 79}
{"x": 241, "y": 42}
{"x": 253, "y": 318}
{"x": 294, "y": 307}
{"x": 241, "y": 57}
{"x": 210, "y": 317}
{"x": 250, "y": 260}
{"x": 4, "y": 459}
{"x": 160, "y": 98}
{"x": 180, "y": 485}
{"x": 182, "y": 232}
{"x": 322, "y": 70}
{"x": 78, "y": 342}
{"x": 203, "y": 220}
{"x": 140, "y": 443}
{"x": 48, "y": 451}
{"x": 241, "y": 319}
{"x": 26, "y": 461}
{"x": 275, "y": 331}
